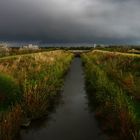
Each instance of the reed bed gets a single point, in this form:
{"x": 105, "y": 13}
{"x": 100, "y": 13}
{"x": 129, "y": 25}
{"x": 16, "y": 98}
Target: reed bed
{"x": 35, "y": 80}
{"x": 112, "y": 80}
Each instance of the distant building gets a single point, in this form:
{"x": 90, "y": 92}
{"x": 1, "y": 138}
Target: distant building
{"x": 31, "y": 46}
{"x": 94, "y": 45}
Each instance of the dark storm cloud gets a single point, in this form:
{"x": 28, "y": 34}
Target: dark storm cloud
{"x": 71, "y": 20}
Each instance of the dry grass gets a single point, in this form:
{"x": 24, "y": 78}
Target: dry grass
{"x": 113, "y": 78}
{"x": 39, "y": 77}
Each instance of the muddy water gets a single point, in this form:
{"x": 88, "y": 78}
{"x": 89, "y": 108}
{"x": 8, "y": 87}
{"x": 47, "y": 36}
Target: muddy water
{"x": 72, "y": 119}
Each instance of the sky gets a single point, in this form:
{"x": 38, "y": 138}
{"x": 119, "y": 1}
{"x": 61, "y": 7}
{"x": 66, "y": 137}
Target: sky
{"x": 69, "y": 21}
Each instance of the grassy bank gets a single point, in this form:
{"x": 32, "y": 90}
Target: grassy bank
{"x": 30, "y": 83}
{"x": 112, "y": 80}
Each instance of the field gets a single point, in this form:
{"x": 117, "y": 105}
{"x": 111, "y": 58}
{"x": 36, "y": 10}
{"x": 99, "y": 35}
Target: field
{"x": 112, "y": 81}
{"x": 29, "y": 85}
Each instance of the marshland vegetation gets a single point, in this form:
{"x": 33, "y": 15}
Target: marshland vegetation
{"x": 29, "y": 84}
{"x": 112, "y": 81}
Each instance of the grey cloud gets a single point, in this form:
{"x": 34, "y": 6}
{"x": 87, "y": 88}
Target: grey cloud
{"x": 71, "y": 20}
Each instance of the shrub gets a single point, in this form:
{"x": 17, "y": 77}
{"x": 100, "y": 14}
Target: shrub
{"x": 9, "y": 90}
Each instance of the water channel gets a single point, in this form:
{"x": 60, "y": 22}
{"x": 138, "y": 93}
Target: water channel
{"x": 72, "y": 119}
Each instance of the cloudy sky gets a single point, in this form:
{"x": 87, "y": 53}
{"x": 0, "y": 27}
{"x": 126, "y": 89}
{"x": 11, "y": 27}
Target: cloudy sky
{"x": 100, "y": 21}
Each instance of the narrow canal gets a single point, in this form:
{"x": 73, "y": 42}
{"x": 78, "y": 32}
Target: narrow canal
{"x": 72, "y": 119}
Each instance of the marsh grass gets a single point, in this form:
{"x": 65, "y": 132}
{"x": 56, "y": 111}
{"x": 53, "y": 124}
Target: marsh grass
{"x": 110, "y": 78}
{"x": 39, "y": 77}
{"x": 10, "y": 123}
